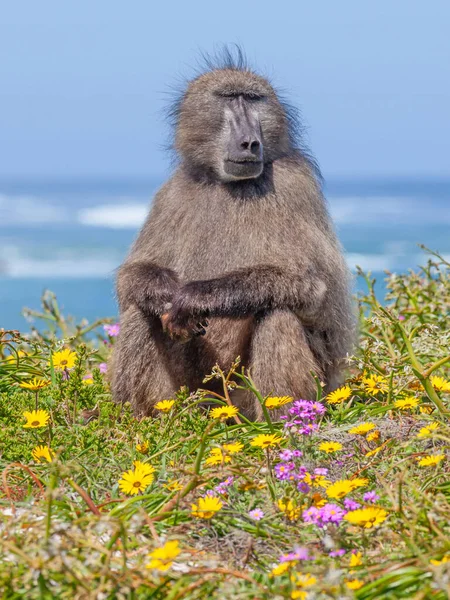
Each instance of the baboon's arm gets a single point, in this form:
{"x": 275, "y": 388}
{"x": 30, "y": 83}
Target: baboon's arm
{"x": 248, "y": 291}
{"x": 150, "y": 287}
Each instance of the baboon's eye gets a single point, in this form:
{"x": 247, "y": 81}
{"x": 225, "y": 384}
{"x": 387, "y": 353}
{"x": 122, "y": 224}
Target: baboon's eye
{"x": 253, "y": 96}
{"x": 248, "y": 96}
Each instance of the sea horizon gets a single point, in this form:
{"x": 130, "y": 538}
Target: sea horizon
{"x": 70, "y": 234}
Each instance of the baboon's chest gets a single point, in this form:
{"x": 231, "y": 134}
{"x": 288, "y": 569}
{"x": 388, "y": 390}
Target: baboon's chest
{"x": 213, "y": 243}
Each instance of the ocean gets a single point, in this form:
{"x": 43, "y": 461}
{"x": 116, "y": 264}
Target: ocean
{"x": 69, "y": 236}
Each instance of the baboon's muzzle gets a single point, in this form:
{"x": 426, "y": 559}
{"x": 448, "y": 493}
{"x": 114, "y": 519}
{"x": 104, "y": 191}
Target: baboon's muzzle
{"x": 244, "y": 148}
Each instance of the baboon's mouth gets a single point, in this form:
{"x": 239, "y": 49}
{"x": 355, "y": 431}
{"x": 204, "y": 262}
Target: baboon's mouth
{"x": 244, "y": 162}
{"x": 243, "y": 169}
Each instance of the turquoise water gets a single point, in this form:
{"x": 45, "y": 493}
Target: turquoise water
{"x": 70, "y": 236}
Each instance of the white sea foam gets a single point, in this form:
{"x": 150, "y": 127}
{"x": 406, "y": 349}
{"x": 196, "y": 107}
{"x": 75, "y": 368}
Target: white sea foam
{"x": 130, "y": 212}
{"x": 395, "y": 210}
{"x": 100, "y": 266}
{"x": 30, "y": 210}
{"x": 115, "y": 216}
{"x": 27, "y": 268}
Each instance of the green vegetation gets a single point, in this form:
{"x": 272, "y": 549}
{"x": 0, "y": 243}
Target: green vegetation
{"x": 349, "y": 497}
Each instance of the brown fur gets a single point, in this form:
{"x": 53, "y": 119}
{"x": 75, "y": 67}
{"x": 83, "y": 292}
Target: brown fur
{"x": 257, "y": 257}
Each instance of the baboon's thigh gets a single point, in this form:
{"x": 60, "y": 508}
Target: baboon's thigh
{"x": 281, "y": 360}
{"x": 142, "y": 369}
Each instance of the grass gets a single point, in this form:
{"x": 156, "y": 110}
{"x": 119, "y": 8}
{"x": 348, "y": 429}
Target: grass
{"x": 267, "y": 521}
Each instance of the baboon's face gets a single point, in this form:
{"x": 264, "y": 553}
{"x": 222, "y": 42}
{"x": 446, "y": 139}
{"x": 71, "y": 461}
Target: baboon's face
{"x": 241, "y": 152}
{"x": 231, "y": 125}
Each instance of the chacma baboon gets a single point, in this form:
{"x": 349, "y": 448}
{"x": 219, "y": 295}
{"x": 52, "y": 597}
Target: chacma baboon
{"x": 239, "y": 238}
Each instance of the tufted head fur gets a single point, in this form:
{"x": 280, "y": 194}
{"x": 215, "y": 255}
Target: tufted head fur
{"x": 202, "y": 113}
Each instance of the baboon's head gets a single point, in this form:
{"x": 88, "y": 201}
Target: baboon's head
{"x": 230, "y": 124}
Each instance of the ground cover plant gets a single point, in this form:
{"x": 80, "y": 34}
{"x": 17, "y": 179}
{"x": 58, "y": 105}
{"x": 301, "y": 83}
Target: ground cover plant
{"x": 347, "y": 497}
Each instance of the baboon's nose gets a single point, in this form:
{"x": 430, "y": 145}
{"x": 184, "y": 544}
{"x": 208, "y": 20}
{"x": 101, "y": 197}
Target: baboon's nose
{"x": 252, "y": 145}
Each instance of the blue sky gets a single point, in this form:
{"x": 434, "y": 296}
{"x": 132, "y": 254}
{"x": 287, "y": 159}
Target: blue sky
{"x": 83, "y": 84}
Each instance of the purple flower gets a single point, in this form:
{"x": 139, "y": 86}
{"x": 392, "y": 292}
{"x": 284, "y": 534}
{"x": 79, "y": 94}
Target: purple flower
{"x": 112, "y": 330}
{"x": 401, "y": 317}
{"x": 371, "y": 497}
{"x": 332, "y": 513}
{"x": 297, "y": 453}
{"x": 256, "y": 514}
{"x": 103, "y": 367}
{"x": 303, "y": 487}
{"x": 339, "y": 552}
{"x": 285, "y": 455}
{"x": 351, "y": 504}
{"x": 311, "y": 515}
{"x": 321, "y": 471}
{"x": 283, "y": 471}
{"x": 302, "y": 472}
{"x": 298, "y": 554}
{"x": 221, "y": 488}
{"x": 329, "y": 513}
{"x": 318, "y": 408}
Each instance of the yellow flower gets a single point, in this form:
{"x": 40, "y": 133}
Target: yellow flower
{"x": 339, "y": 395}
{"x": 88, "y": 380}
{"x": 375, "y": 384}
{"x": 206, "y": 507}
{"x": 428, "y": 429}
{"x": 362, "y": 429}
{"x": 355, "y": 560}
{"x": 330, "y": 447}
{"x": 64, "y": 359}
{"x": 36, "y": 418}
{"x": 144, "y": 467}
{"x": 291, "y": 511}
{"x": 317, "y": 481}
{"x": 406, "y": 403}
{"x": 318, "y": 500}
{"x": 341, "y": 488}
{"x": 440, "y": 384}
{"x": 217, "y": 457}
{"x": 13, "y": 358}
{"x": 373, "y": 436}
{"x": 277, "y": 401}
{"x": 135, "y": 481}
{"x": 42, "y": 452}
{"x": 281, "y": 568}
{"x": 354, "y": 584}
{"x": 233, "y": 447}
{"x": 373, "y": 452}
{"x": 431, "y": 461}
{"x": 443, "y": 560}
{"x": 164, "y": 405}
{"x": 264, "y": 440}
{"x": 162, "y": 558}
{"x": 142, "y": 447}
{"x": 223, "y": 412}
{"x": 173, "y": 486}
{"x": 426, "y": 409}
{"x": 366, "y": 517}
{"x": 35, "y": 384}
{"x": 301, "y": 581}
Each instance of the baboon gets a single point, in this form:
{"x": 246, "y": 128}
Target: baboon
{"x": 237, "y": 257}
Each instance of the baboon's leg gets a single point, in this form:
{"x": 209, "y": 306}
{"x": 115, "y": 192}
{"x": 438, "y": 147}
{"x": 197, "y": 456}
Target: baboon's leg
{"x": 142, "y": 369}
{"x": 281, "y": 360}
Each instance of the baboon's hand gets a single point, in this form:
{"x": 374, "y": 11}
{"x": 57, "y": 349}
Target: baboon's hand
{"x": 182, "y": 328}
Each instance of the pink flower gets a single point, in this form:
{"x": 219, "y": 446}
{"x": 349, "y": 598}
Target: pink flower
{"x": 103, "y": 367}
{"x": 112, "y": 330}
{"x": 371, "y": 497}
{"x": 339, "y": 552}
{"x": 256, "y": 514}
